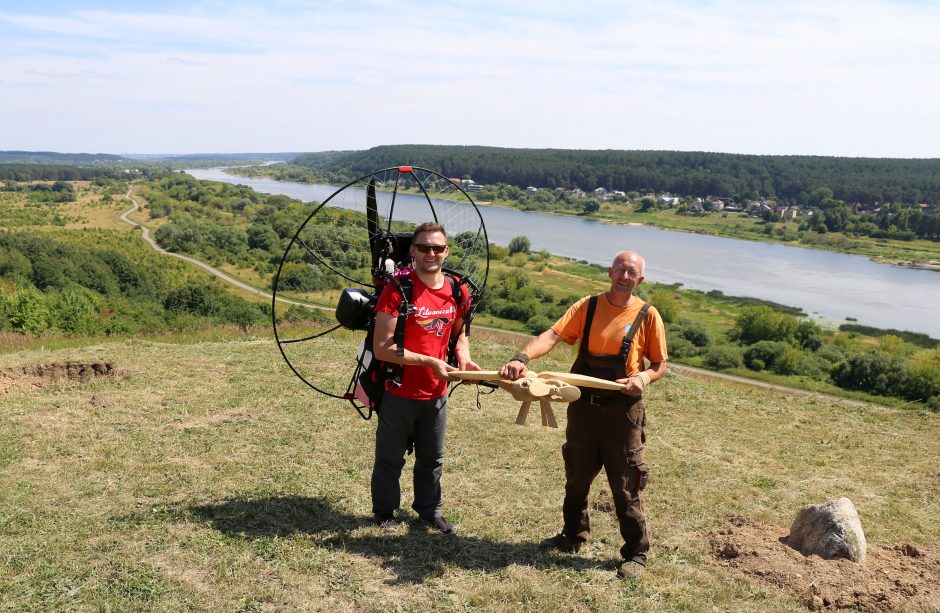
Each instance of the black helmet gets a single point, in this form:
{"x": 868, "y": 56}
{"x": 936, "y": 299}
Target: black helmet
{"x": 352, "y": 310}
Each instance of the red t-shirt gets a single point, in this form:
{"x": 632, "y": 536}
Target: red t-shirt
{"x": 427, "y": 331}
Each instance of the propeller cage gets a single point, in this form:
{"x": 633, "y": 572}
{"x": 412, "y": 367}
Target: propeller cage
{"x": 354, "y": 307}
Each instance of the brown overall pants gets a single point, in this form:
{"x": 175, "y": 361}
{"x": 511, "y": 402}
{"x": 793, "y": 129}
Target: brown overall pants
{"x": 606, "y": 429}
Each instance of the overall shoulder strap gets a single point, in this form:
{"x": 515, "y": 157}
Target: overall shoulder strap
{"x": 628, "y": 337}
{"x": 588, "y": 318}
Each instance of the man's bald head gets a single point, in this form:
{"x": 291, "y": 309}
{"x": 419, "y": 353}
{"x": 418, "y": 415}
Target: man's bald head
{"x": 632, "y": 257}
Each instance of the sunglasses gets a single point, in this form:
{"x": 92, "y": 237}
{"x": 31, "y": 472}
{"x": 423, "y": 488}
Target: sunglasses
{"x": 422, "y": 248}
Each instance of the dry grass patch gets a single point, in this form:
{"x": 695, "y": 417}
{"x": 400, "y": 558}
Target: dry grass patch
{"x": 208, "y": 478}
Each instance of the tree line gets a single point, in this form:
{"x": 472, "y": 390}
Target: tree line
{"x": 739, "y": 176}
{"x": 57, "y": 172}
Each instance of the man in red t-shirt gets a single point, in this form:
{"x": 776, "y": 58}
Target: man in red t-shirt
{"x": 417, "y": 409}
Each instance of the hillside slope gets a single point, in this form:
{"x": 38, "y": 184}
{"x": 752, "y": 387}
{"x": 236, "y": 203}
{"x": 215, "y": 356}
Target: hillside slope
{"x": 202, "y": 476}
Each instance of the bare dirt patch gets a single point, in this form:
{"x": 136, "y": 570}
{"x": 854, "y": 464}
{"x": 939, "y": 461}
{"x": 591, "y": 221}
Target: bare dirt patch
{"x": 902, "y": 577}
{"x": 38, "y": 375}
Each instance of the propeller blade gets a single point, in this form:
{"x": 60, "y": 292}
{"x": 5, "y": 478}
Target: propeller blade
{"x": 372, "y": 209}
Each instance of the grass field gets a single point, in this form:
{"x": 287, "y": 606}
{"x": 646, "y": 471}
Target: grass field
{"x": 203, "y": 477}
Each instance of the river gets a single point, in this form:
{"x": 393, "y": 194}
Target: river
{"x": 828, "y": 285}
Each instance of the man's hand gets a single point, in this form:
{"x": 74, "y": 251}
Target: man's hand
{"x": 633, "y": 386}
{"x": 467, "y": 364}
{"x": 512, "y": 370}
{"x": 442, "y": 369}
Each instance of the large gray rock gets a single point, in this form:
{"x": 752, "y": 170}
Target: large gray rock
{"x": 830, "y": 530}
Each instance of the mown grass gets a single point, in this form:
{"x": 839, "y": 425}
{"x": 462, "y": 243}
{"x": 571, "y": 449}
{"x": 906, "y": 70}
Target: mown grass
{"x": 206, "y": 478}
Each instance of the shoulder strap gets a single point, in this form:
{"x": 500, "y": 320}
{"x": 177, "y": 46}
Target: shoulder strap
{"x": 404, "y": 309}
{"x": 628, "y": 337}
{"x": 586, "y": 333}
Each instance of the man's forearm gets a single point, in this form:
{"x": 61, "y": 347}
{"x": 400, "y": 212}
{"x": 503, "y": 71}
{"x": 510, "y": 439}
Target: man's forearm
{"x": 541, "y": 344}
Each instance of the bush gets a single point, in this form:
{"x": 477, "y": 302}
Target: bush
{"x": 923, "y": 382}
{"x": 723, "y": 357}
{"x": 27, "y": 311}
{"x": 695, "y": 334}
{"x": 757, "y": 324}
{"x": 666, "y": 304}
{"x": 789, "y": 362}
{"x": 763, "y": 355}
{"x": 538, "y": 324}
{"x": 681, "y": 348}
{"x": 519, "y": 244}
{"x": 498, "y": 253}
{"x": 73, "y": 311}
{"x": 809, "y": 335}
{"x": 828, "y": 356}
{"x": 875, "y": 372}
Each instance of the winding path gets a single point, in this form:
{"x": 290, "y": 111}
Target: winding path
{"x": 145, "y": 232}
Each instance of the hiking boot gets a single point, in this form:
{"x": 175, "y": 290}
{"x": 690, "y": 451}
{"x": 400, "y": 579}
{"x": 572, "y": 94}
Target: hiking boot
{"x": 560, "y": 542}
{"x": 630, "y": 569}
{"x": 438, "y": 523}
{"x": 386, "y": 521}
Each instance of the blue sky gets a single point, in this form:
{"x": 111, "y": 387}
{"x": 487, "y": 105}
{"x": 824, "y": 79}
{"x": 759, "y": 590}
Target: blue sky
{"x": 854, "y": 78}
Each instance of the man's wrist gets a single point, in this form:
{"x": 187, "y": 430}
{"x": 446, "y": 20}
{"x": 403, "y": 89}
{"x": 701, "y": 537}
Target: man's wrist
{"x": 644, "y": 377}
{"x": 520, "y": 357}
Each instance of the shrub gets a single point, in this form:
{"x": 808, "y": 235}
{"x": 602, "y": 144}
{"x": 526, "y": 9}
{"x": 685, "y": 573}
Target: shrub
{"x": 763, "y": 323}
{"x": 828, "y": 356}
{"x": 680, "y": 347}
{"x": 27, "y": 311}
{"x": 875, "y": 372}
{"x": 723, "y": 357}
{"x": 789, "y": 362}
{"x": 695, "y": 334}
{"x": 519, "y": 244}
{"x": 666, "y": 304}
{"x": 538, "y": 324}
{"x": 763, "y": 354}
{"x": 73, "y": 311}
{"x": 809, "y": 335}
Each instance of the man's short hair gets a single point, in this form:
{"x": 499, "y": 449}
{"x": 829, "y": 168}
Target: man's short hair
{"x": 428, "y": 226}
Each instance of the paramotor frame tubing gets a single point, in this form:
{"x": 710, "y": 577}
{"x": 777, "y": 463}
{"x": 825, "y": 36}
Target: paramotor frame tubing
{"x": 311, "y": 337}
{"x": 426, "y": 196}
{"x": 327, "y": 264}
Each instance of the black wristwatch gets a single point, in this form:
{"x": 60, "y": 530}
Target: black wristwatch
{"x": 520, "y": 357}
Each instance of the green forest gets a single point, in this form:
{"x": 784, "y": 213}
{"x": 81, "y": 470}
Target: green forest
{"x": 688, "y": 173}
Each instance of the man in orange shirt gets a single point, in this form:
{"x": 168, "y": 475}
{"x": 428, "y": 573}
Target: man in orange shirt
{"x": 606, "y": 429}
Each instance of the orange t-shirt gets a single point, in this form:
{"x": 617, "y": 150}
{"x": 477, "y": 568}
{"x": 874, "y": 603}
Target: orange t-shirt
{"x": 610, "y": 325}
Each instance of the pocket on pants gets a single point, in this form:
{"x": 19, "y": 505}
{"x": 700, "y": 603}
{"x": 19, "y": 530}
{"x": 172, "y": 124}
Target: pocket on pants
{"x": 638, "y": 470}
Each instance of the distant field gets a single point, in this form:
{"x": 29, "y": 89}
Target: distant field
{"x": 204, "y": 477}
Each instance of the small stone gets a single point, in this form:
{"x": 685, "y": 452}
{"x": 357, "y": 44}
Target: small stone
{"x": 815, "y": 603}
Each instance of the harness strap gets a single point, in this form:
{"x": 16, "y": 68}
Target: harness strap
{"x": 404, "y": 309}
{"x": 588, "y": 318}
{"x": 628, "y": 338}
